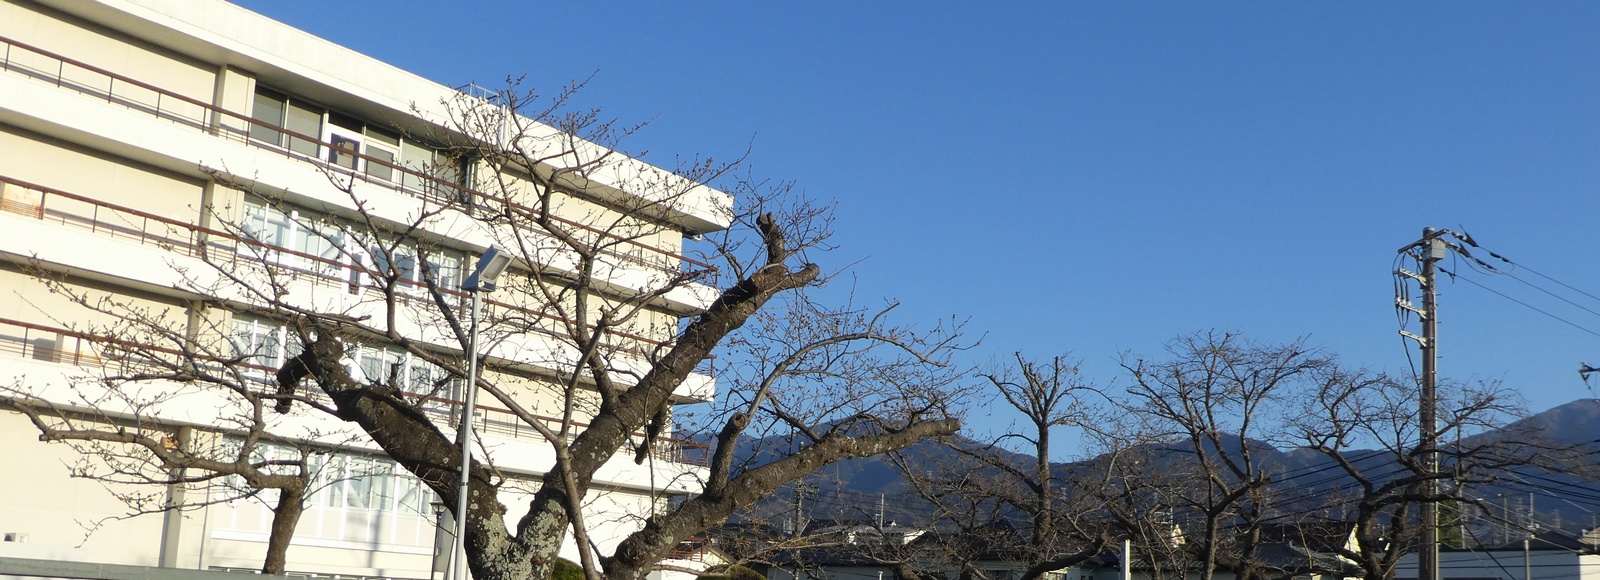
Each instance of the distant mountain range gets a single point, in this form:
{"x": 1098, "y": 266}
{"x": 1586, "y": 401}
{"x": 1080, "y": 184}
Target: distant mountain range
{"x": 862, "y": 489}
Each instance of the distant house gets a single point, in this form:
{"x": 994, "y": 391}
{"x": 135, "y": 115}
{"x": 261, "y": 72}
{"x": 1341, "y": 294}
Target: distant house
{"x": 851, "y": 550}
{"x": 841, "y": 550}
{"x": 1549, "y": 554}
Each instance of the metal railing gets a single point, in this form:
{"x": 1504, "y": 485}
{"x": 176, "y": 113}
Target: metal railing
{"x": 120, "y": 222}
{"x": 86, "y": 349}
{"x": 67, "y": 73}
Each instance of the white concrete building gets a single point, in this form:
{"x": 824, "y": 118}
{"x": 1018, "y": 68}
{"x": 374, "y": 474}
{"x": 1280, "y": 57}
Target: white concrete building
{"x": 137, "y": 136}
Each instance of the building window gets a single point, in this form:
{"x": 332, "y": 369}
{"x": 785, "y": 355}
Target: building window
{"x": 296, "y": 239}
{"x": 266, "y": 344}
{"x": 276, "y": 111}
{"x": 315, "y": 244}
{"x": 356, "y": 501}
{"x": 263, "y": 344}
{"x": 353, "y": 144}
{"x": 445, "y": 266}
{"x": 382, "y": 146}
{"x": 411, "y": 374}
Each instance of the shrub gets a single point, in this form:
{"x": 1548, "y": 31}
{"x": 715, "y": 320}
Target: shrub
{"x": 567, "y": 570}
{"x": 731, "y": 573}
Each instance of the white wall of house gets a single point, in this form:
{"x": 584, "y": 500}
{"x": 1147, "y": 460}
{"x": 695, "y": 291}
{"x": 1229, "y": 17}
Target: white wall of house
{"x": 1509, "y": 565}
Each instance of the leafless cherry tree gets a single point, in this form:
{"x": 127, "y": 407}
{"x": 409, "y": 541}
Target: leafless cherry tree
{"x": 1366, "y": 426}
{"x": 183, "y": 413}
{"x": 984, "y": 486}
{"x": 582, "y": 344}
{"x": 1209, "y": 407}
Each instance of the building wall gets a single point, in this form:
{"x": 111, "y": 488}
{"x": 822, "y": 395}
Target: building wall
{"x": 1508, "y": 565}
{"x": 46, "y": 513}
{"x": 88, "y": 134}
{"x": 54, "y": 31}
{"x": 38, "y": 159}
{"x": 27, "y": 299}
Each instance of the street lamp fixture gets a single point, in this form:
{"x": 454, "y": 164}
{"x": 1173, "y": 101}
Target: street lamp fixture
{"x": 490, "y": 266}
{"x": 483, "y": 278}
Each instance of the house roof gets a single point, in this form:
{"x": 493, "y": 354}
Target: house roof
{"x": 1545, "y": 540}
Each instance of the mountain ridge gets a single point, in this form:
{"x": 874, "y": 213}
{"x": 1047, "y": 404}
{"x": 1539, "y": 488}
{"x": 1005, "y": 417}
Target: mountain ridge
{"x": 865, "y": 488}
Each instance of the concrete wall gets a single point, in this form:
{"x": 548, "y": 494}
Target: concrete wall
{"x": 83, "y": 41}
{"x": 37, "y": 159}
{"x": 104, "y": 139}
{"x": 55, "y": 512}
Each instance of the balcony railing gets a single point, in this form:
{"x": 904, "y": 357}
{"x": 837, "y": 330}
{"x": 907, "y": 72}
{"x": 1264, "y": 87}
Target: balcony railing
{"x": 121, "y": 222}
{"x": 85, "y": 349}
{"x": 67, "y": 73}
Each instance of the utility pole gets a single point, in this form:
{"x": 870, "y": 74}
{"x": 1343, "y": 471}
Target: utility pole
{"x": 800, "y": 491}
{"x": 1432, "y": 251}
{"x": 1429, "y": 250}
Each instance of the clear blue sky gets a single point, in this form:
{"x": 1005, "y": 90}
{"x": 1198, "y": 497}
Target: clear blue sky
{"x": 1101, "y": 177}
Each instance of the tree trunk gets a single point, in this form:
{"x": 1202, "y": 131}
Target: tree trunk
{"x": 291, "y": 503}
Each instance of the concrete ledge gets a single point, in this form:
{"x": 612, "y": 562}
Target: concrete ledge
{"x": 94, "y": 571}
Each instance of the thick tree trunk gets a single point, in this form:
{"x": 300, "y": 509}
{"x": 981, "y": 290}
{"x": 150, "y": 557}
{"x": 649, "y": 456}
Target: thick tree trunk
{"x": 493, "y": 552}
{"x": 285, "y": 516}
{"x": 1044, "y": 519}
{"x": 544, "y": 528}
{"x": 411, "y": 439}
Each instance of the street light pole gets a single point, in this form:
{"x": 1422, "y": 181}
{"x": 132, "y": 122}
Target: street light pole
{"x": 483, "y": 278}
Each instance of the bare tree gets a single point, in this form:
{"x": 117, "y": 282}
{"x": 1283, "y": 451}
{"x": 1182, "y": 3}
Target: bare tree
{"x": 1210, "y": 406}
{"x": 1366, "y": 426}
{"x": 983, "y": 486}
{"x": 583, "y": 344}
{"x": 123, "y": 419}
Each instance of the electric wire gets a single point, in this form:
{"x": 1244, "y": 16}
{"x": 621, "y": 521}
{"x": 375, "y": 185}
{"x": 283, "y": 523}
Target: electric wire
{"x": 1553, "y": 294}
{"x": 1514, "y": 265}
{"x": 1524, "y": 304}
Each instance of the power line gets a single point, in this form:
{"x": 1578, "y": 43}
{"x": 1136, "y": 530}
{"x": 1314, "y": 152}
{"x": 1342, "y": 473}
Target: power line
{"x": 1453, "y": 276}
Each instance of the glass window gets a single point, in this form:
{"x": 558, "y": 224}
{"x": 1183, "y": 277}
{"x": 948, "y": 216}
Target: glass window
{"x": 379, "y": 170}
{"x": 380, "y": 259}
{"x": 405, "y": 264}
{"x": 259, "y": 341}
{"x": 291, "y": 230}
{"x": 358, "y": 483}
{"x": 307, "y": 121}
{"x": 427, "y": 379}
{"x": 381, "y": 145}
{"x": 273, "y": 110}
{"x": 360, "y": 499}
{"x": 320, "y": 240}
{"x": 446, "y": 268}
{"x": 380, "y": 489}
{"x": 413, "y": 496}
{"x": 264, "y": 344}
{"x": 389, "y": 138}
{"x": 338, "y": 119}
{"x": 343, "y": 152}
{"x": 268, "y": 109}
{"x": 417, "y": 158}
{"x": 377, "y": 363}
{"x": 447, "y": 167}
{"x": 266, "y": 223}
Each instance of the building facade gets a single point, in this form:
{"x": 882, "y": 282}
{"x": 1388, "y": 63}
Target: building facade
{"x": 179, "y": 178}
